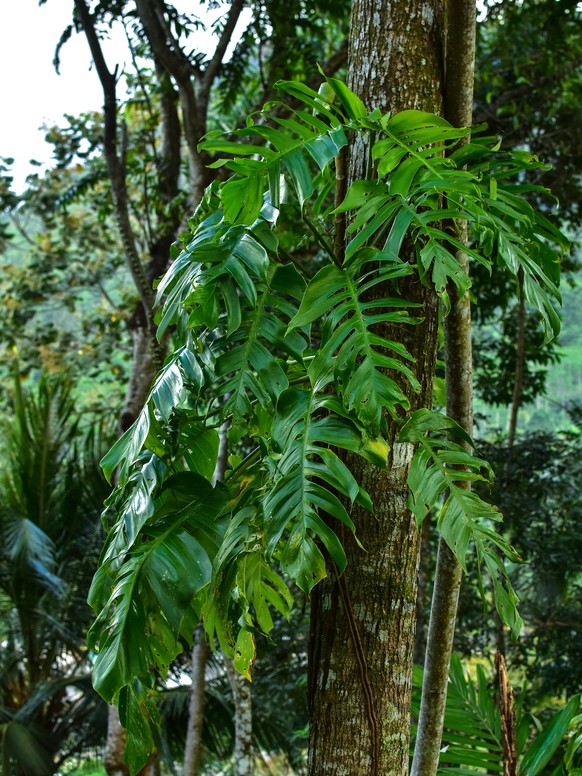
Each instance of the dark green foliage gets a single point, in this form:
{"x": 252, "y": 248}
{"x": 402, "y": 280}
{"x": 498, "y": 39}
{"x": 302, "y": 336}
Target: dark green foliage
{"x": 51, "y": 496}
{"x": 495, "y": 359}
{"x": 247, "y": 356}
{"x": 528, "y": 88}
{"x": 279, "y": 699}
{"x": 536, "y": 487}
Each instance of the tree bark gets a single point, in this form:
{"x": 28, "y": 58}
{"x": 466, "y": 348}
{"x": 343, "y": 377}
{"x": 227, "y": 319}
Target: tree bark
{"x": 243, "y": 721}
{"x": 193, "y": 748}
{"x": 422, "y": 602}
{"x": 459, "y": 76}
{"x": 362, "y": 624}
{"x": 113, "y": 761}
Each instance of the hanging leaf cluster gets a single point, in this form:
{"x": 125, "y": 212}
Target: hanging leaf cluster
{"x": 294, "y": 370}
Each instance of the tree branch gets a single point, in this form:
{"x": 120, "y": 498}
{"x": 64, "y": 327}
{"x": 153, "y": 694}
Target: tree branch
{"x": 225, "y": 37}
{"x": 115, "y": 164}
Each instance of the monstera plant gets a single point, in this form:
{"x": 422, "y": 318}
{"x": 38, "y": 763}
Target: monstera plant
{"x": 289, "y": 364}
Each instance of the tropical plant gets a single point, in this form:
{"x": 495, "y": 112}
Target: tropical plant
{"x": 51, "y": 496}
{"x": 536, "y": 489}
{"x": 478, "y": 731}
{"x": 249, "y": 351}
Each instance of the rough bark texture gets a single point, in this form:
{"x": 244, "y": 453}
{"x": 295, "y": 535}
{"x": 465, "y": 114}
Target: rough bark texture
{"x": 193, "y": 748}
{"x": 362, "y": 628}
{"x": 243, "y": 721}
{"x": 459, "y": 75}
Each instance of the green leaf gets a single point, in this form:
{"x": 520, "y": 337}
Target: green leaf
{"x": 242, "y": 198}
{"x": 351, "y": 345}
{"x": 305, "y": 478}
{"x": 244, "y": 653}
{"x": 438, "y": 468}
{"x": 137, "y": 629}
{"x": 127, "y": 448}
{"x": 541, "y": 751}
{"x": 353, "y": 106}
{"x": 135, "y": 712}
{"x": 200, "y": 448}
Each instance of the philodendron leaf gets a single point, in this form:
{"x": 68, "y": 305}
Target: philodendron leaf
{"x": 137, "y": 714}
{"x": 127, "y": 448}
{"x": 298, "y": 372}
{"x": 137, "y": 629}
{"x": 438, "y": 468}
{"x": 360, "y": 357}
{"x": 306, "y": 478}
{"x": 244, "y": 653}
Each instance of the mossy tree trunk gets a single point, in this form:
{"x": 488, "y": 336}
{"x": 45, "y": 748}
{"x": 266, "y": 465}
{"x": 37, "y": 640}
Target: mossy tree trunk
{"x": 362, "y": 630}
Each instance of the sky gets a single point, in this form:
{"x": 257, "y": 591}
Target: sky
{"x": 31, "y": 92}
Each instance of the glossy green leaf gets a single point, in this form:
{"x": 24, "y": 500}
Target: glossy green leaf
{"x": 436, "y": 473}
{"x": 127, "y": 448}
{"x": 353, "y": 106}
{"x": 541, "y": 751}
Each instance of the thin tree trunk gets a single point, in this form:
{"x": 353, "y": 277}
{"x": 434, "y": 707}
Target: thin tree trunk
{"x": 422, "y": 594}
{"x": 193, "y": 748}
{"x": 459, "y": 72}
{"x": 519, "y": 363}
{"x": 113, "y": 761}
{"x": 243, "y": 721}
{"x": 362, "y": 624}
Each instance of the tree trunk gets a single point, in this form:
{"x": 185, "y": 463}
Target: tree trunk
{"x": 193, "y": 748}
{"x": 422, "y": 595}
{"x": 113, "y": 761}
{"x": 362, "y": 625}
{"x": 243, "y": 721}
{"x": 459, "y": 67}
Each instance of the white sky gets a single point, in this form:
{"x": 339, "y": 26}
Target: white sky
{"x": 31, "y": 93}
